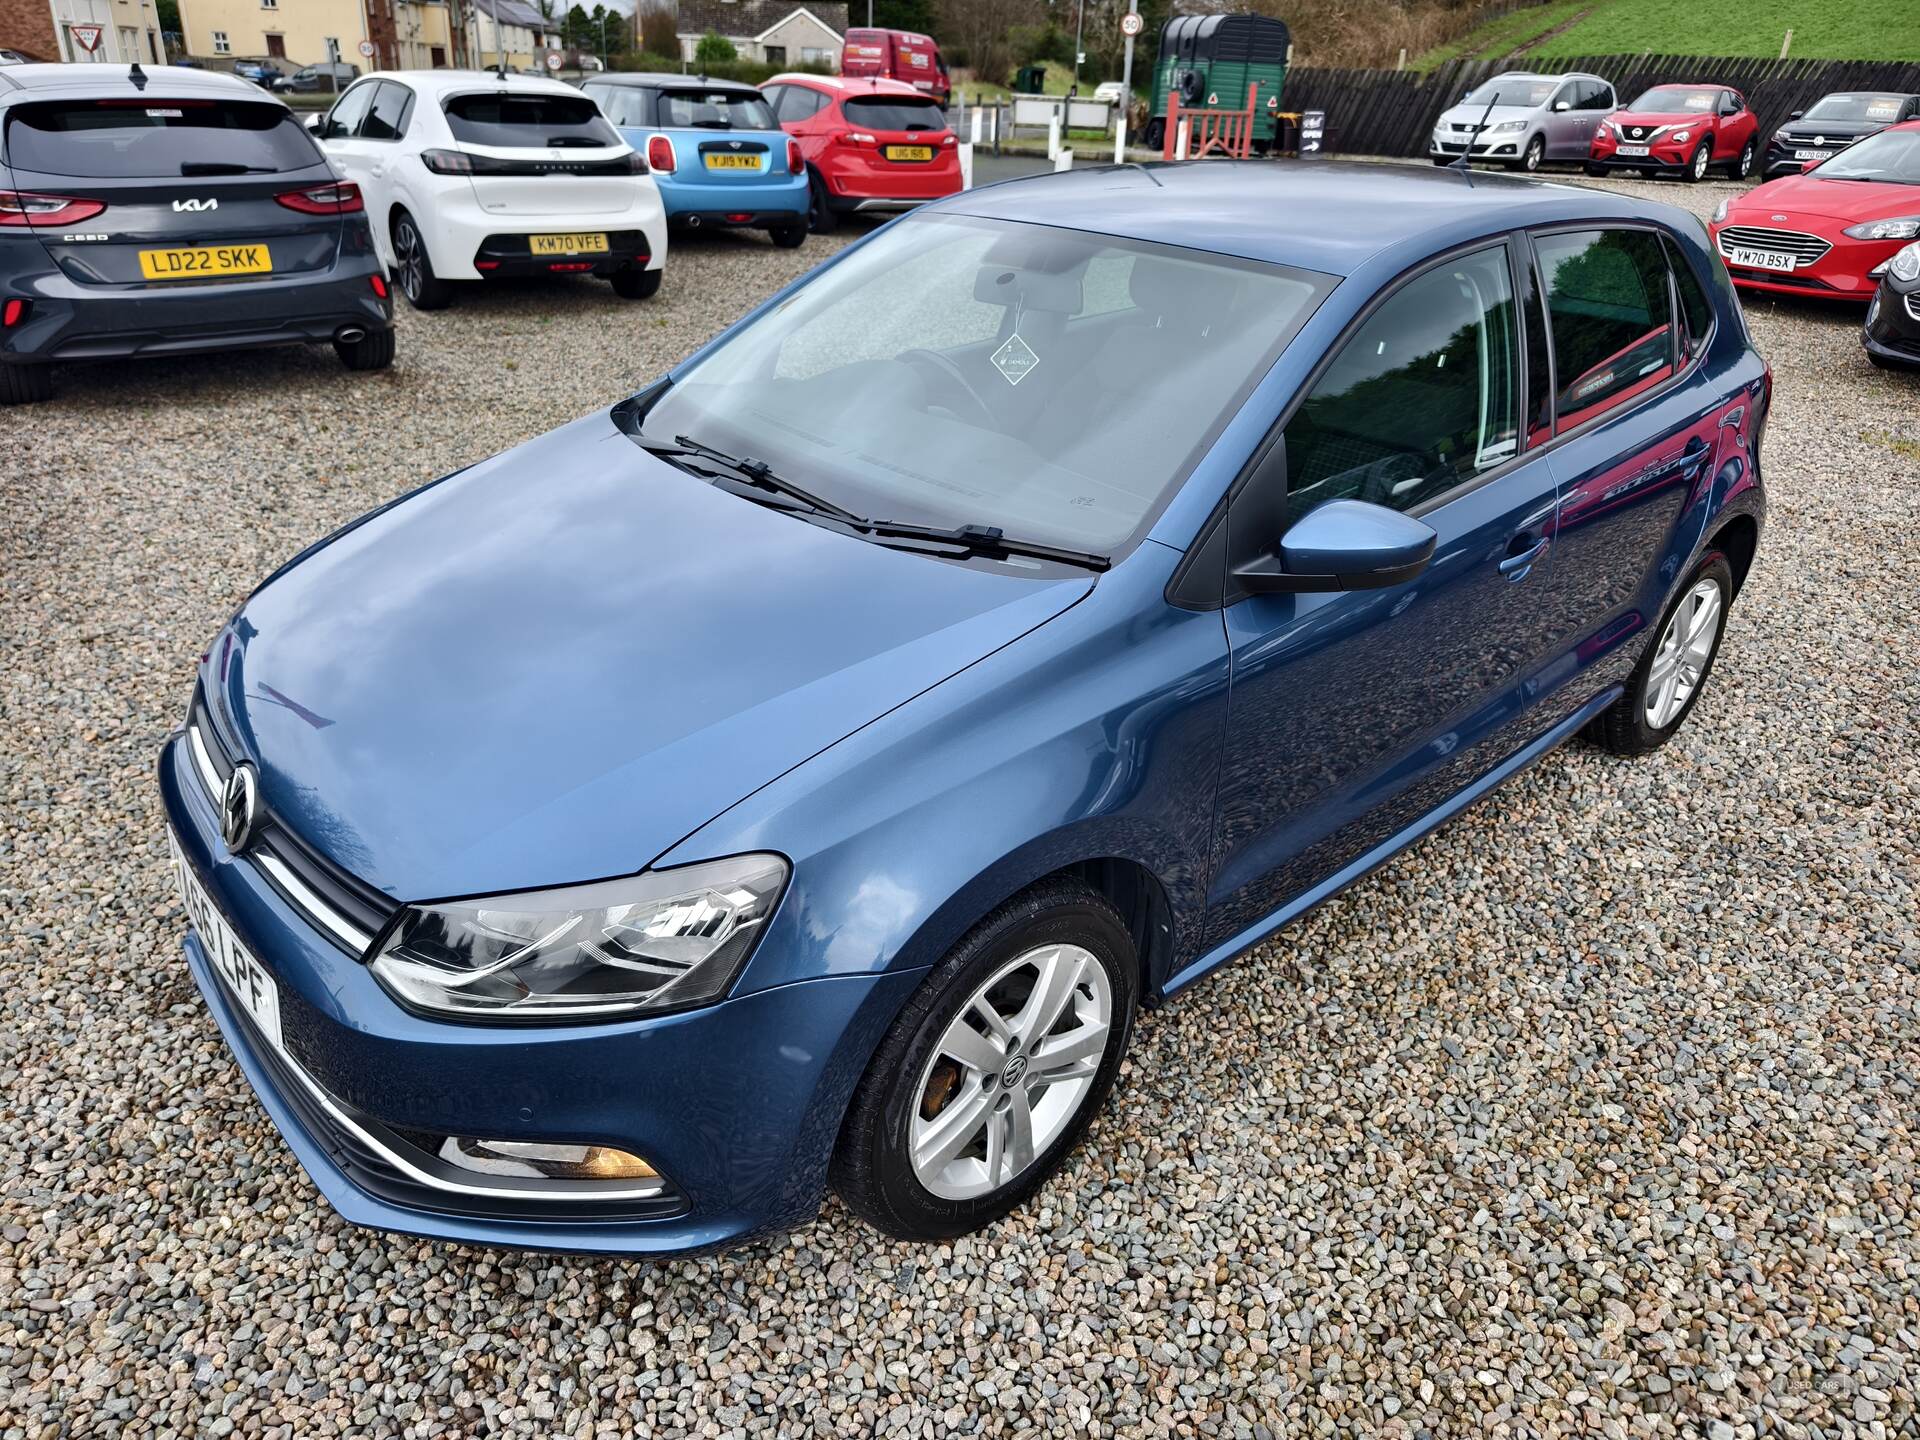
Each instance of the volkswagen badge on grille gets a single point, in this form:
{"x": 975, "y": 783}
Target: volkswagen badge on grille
{"x": 237, "y": 804}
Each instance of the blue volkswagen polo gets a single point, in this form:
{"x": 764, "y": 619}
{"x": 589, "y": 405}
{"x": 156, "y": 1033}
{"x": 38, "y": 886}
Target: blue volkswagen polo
{"x": 717, "y": 153}
{"x": 801, "y": 773}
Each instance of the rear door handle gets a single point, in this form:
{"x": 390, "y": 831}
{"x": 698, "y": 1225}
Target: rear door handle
{"x": 1515, "y": 567}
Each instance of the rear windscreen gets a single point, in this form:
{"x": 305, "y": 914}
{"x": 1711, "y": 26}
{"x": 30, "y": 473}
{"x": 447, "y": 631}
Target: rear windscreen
{"x": 889, "y": 112}
{"x": 134, "y": 139}
{"x": 553, "y": 121}
{"x": 715, "y": 110}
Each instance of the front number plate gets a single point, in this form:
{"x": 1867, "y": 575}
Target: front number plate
{"x": 568, "y": 244}
{"x": 1760, "y": 259}
{"x": 198, "y": 261}
{"x": 244, "y": 978}
{"x": 1809, "y": 154}
{"x": 1635, "y": 150}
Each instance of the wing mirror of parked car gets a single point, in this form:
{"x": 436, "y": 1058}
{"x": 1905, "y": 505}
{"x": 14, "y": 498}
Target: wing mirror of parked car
{"x": 1342, "y": 545}
{"x": 1795, "y": 115}
{"x": 1563, "y": 105}
{"x": 317, "y": 126}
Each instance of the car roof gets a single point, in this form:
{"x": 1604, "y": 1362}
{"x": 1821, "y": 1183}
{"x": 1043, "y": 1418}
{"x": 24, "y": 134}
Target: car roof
{"x": 1327, "y": 215}
{"x": 847, "y": 84}
{"x": 1870, "y": 94}
{"x": 460, "y": 82}
{"x": 47, "y": 80}
{"x": 658, "y": 81}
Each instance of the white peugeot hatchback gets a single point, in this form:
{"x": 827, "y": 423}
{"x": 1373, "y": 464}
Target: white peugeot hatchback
{"x": 469, "y": 174}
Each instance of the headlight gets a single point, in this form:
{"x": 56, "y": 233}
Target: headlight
{"x": 1720, "y": 211}
{"x": 1905, "y": 265}
{"x": 660, "y": 941}
{"x": 1903, "y": 228}
{"x": 1680, "y": 135}
{"x": 1507, "y": 127}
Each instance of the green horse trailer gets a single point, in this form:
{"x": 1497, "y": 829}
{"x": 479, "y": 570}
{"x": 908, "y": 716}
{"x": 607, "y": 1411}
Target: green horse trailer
{"x": 1210, "y": 60}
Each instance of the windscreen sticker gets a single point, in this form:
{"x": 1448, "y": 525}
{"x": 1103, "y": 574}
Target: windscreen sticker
{"x": 1015, "y": 359}
{"x": 1882, "y": 109}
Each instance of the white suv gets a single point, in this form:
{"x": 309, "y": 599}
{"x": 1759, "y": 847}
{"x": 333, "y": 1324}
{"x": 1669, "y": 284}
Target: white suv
{"x": 468, "y": 174}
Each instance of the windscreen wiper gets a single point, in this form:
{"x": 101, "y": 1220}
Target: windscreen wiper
{"x": 754, "y": 472}
{"x": 223, "y": 167}
{"x": 972, "y": 539}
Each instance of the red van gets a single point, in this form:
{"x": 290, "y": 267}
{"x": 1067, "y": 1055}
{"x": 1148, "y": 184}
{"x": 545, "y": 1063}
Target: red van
{"x": 897, "y": 55}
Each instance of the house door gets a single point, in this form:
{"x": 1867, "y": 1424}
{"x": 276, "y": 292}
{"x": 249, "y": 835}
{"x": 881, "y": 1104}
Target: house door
{"x": 277, "y": 46}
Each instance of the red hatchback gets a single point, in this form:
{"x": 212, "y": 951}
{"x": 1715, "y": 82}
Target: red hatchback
{"x": 870, "y": 145}
{"x": 1683, "y": 130}
{"x": 1829, "y": 231}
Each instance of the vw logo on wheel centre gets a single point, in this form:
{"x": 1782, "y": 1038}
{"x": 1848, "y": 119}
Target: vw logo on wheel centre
{"x": 237, "y": 805}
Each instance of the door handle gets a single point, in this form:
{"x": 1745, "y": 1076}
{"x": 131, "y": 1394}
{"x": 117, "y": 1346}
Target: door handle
{"x": 1516, "y": 566}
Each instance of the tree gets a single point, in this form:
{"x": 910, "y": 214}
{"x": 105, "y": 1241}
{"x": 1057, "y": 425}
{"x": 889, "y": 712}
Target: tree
{"x": 921, "y": 15}
{"x": 654, "y": 19}
{"x": 978, "y": 29}
{"x": 715, "y": 49}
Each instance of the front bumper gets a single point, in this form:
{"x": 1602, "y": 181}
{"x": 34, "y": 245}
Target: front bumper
{"x": 1842, "y": 272}
{"x": 737, "y": 1105}
{"x": 1780, "y": 159}
{"x": 69, "y": 320}
{"x": 1892, "y": 329}
{"x": 1488, "y": 147}
{"x": 1668, "y": 159}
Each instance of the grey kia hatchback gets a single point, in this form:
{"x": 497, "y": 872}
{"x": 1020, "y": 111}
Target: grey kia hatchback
{"x": 156, "y": 213}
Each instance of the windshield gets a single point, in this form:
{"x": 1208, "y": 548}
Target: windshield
{"x": 715, "y": 110}
{"x": 508, "y": 119}
{"x": 1056, "y": 384}
{"x": 1677, "y": 100}
{"x": 1891, "y": 157}
{"x": 140, "y": 139}
{"x": 1526, "y": 90}
{"x": 1876, "y": 109}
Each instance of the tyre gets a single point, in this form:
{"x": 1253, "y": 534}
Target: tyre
{"x": 372, "y": 351}
{"x": 1530, "y": 161}
{"x": 1670, "y": 677}
{"x": 1157, "y": 133}
{"x": 1596, "y": 170}
{"x": 821, "y": 216}
{"x": 788, "y": 237}
{"x": 1697, "y": 167}
{"x": 25, "y": 384}
{"x": 1741, "y": 168}
{"x": 636, "y": 284}
{"x": 413, "y": 267}
{"x": 994, "y": 1069}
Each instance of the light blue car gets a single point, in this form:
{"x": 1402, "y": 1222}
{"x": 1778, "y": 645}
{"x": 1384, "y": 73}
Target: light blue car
{"x": 717, "y": 153}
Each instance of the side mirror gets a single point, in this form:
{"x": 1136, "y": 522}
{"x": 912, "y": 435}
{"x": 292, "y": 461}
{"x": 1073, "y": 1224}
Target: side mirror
{"x": 1563, "y": 105}
{"x": 1342, "y": 545}
{"x": 317, "y": 125}
{"x": 1795, "y": 115}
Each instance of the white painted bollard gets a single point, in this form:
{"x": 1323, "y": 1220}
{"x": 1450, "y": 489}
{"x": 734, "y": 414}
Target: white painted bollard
{"x": 1180, "y": 139}
{"x": 1120, "y": 139}
{"x": 979, "y": 124}
{"x": 1063, "y": 161}
{"x": 1053, "y": 136}
{"x": 966, "y": 163}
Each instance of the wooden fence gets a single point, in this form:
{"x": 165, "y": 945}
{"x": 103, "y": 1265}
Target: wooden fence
{"x": 1391, "y": 112}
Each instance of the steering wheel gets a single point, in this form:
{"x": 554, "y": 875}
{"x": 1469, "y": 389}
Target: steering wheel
{"x": 950, "y": 370}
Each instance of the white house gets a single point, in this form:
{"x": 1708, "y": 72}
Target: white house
{"x": 127, "y": 30}
{"x": 775, "y": 32}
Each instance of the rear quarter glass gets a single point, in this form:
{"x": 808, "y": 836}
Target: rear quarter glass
{"x": 153, "y": 137}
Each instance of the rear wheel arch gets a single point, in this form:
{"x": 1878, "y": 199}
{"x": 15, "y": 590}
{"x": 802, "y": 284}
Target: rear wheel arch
{"x": 1737, "y": 539}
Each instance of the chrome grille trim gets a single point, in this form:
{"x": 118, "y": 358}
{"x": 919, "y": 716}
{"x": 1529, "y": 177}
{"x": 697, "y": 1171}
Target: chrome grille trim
{"x": 320, "y": 914}
{"x": 1804, "y": 248}
{"x": 1913, "y": 304}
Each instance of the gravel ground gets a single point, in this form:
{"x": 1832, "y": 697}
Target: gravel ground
{"x": 1594, "y": 1113}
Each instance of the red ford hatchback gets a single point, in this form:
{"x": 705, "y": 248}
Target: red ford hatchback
{"x": 870, "y": 145}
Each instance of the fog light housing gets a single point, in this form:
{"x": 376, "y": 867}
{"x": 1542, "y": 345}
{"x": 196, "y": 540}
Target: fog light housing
{"x": 545, "y": 1160}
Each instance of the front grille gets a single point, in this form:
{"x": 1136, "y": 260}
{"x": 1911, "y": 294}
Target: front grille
{"x": 339, "y": 905}
{"x": 1803, "y": 247}
{"x": 366, "y": 1152}
{"x": 1913, "y": 304}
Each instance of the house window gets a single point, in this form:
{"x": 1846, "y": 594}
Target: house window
{"x": 809, "y": 55}
{"x": 269, "y": 4}
{"x": 776, "y": 54}
{"x": 220, "y": 45}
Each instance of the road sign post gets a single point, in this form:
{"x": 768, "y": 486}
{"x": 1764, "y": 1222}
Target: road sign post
{"x": 1130, "y": 26}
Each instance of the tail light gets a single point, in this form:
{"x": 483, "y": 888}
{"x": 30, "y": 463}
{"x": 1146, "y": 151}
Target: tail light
{"x": 18, "y": 207}
{"x": 949, "y": 139}
{"x": 796, "y": 163}
{"x": 660, "y": 154}
{"x": 340, "y": 198}
{"x": 859, "y": 139}
{"x": 379, "y": 283}
{"x": 12, "y": 313}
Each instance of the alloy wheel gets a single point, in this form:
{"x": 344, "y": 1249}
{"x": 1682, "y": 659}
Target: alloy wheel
{"x": 1746, "y": 162}
{"x": 1681, "y": 659}
{"x": 1011, "y": 1071}
{"x": 406, "y": 245}
{"x": 1535, "y": 149}
{"x": 1701, "y": 157}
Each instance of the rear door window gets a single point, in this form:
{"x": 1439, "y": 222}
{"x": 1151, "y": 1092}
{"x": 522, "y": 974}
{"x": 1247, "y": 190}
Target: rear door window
{"x": 544, "y": 121}
{"x": 148, "y": 138}
{"x": 1610, "y": 314}
{"x": 894, "y": 112}
{"x": 714, "y": 110}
